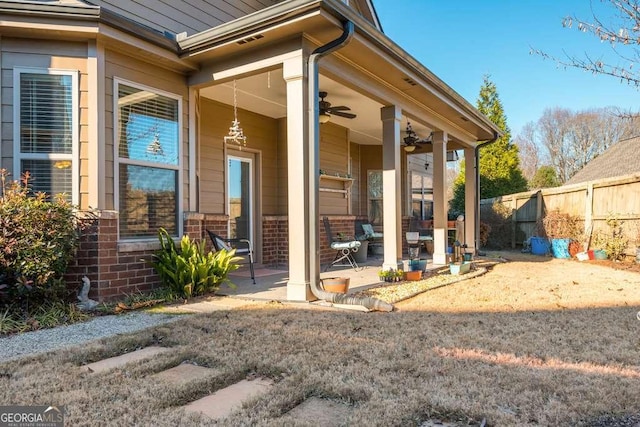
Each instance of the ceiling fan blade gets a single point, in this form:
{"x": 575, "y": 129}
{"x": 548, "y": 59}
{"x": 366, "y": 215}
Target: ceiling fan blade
{"x": 341, "y": 114}
{"x": 340, "y": 108}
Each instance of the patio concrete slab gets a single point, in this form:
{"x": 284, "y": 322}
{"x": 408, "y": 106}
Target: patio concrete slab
{"x": 321, "y": 412}
{"x": 221, "y": 403}
{"x": 118, "y": 361}
{"x": 183, "y": 374}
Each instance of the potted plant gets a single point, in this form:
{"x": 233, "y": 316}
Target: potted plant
{"x": 457, "y": 268}
{"x": 339, "y": 285}
{"x": 413, "y": 275}
{"x": 391, "y": 275}
{"x": 361, "y": 255}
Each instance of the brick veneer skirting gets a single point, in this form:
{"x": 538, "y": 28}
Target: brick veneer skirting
{"x": 119, "y": 268}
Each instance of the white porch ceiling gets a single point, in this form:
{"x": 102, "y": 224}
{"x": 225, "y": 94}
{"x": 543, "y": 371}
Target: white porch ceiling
{"x": 266, "y": 94}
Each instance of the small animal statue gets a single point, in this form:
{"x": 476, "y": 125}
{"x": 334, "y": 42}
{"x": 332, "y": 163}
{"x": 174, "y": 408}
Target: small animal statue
{"x": 86, "y": 304}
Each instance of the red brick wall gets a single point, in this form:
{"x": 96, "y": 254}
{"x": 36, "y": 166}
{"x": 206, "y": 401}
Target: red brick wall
{"x": 116, "y": 269}
{"x": 113, "y": 272}
{"x": 275, "y": 235}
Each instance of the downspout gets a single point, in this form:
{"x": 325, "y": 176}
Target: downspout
{"x": 314, "y": 178}
{"x": 477, "y": 192}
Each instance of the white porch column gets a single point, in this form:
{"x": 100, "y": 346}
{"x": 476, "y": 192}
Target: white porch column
{"x": 440, "y": 204}
{"x": 470, "y": 198}
{"x": 298, "y": 196}
{"x": 391, "y": 192}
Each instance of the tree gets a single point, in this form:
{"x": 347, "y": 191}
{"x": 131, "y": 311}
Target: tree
{"x": 621, "y": 31}
{"x": 528, "y": 151}
{"x": 545, "y": 177}
{"x": 499, "y": 163}
{"x": 568, "y": 140}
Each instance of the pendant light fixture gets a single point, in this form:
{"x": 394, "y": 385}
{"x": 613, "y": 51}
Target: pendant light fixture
{"x": 235, "y": 136}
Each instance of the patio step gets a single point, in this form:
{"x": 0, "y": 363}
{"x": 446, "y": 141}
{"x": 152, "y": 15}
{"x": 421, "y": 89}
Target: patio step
{"x": 118, "y": 361}
{"x": 183, "y": 374}
{"x": 221, "y": 403}
{"x": 321, "y": 412}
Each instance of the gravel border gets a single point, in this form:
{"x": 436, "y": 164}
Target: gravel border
{"x": 45, "y": 340}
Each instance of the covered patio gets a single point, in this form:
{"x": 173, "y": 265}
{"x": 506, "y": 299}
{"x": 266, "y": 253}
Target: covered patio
{"x": 266, "y": 71}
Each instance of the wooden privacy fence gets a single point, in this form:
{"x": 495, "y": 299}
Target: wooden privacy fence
{"x": 592, "y": 201}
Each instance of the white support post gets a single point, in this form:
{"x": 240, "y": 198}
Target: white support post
{"x": 440, "y": 231}
{"x": 96, "y": 112}
{"x": 298, "y": 288}
{"x": 391, "y": 179}
{"x": 470, "y": 198}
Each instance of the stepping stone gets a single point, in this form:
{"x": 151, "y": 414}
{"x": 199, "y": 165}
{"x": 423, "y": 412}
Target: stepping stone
{"x": 134, "y": 356}
{"x": 320, "y": 412}
{"x": 183, "y": 373}
{"x": 221, "y": 403}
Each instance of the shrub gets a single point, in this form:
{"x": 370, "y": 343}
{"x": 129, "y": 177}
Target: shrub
{"x": 613, "y": 241}
{"x": 498, "y": 226}
{"x": 190, "y": 271}
{"x": 37, "y": 240}
{"x": 485, "y": 231}
{"x": 558, "y": 225}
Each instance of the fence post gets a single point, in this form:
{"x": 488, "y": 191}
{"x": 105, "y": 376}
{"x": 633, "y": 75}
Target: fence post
{"x": 514, "y": 220}
{"x": 538, "y": 207}
{"x": 588, "y": 215}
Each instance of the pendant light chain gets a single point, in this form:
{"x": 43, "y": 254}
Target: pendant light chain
{"x": 236, "y": 135}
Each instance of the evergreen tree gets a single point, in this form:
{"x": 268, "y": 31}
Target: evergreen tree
{"x": 545, "y": 177}
{"x": 500, "y": 171}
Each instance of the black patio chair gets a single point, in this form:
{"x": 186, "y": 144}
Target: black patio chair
{"x": 243, "y": 248}
{"x": 344, "y": 248}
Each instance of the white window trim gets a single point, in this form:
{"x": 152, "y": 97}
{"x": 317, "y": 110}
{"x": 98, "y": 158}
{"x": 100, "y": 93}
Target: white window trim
{"x": 75, "y": 129}
{"x": 116, "y": 156}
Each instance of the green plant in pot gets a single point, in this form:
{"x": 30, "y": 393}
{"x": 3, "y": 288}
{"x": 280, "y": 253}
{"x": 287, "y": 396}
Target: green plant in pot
{"x": 391, "y": 275}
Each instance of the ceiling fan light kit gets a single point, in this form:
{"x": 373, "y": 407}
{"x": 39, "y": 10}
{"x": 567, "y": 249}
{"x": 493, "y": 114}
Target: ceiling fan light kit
{"x": 326, "y": 110}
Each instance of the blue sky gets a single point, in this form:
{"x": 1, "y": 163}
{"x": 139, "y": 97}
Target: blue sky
{"x": 461, "y": 41}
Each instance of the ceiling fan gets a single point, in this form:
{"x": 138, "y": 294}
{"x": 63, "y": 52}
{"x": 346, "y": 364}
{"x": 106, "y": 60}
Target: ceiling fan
{"x": 326, "y": 110}
{"x": 412, "y": 142}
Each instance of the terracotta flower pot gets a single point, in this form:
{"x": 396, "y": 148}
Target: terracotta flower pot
{"x": 413, "y": 275}
{"x": 339, "y": 285}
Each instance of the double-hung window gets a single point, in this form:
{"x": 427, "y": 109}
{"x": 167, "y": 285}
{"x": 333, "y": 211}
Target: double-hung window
{"x": 46, "y": 130}
{"x": 148, "y": 139}
{"x": 374, "y": 196}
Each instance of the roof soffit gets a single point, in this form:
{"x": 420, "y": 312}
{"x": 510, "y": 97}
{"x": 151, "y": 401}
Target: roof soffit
{"x": 319, "y": 21}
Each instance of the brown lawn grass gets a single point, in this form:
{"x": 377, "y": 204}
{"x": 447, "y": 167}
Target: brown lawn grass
{"x": 532, "y": 342}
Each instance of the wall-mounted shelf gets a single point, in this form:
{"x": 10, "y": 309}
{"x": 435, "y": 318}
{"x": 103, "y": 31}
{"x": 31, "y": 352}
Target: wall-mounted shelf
{"x": 346, "y": 184}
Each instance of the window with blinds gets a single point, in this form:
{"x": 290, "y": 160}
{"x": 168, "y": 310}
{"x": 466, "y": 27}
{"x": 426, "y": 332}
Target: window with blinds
{"x": 46, "y": 129}
{"x": 148, "y": 150}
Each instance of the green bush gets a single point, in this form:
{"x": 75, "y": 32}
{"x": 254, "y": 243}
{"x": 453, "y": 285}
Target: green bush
{"x": 38, "y": 238}
{"x": 190, "y": 271}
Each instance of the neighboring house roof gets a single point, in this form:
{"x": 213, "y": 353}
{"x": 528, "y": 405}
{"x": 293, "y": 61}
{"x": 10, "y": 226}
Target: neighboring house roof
{"x": 623, "y": 158}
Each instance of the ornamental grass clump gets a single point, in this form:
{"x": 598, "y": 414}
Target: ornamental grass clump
{"x": 38, "y": 237}
{"x": 188, "y": 270}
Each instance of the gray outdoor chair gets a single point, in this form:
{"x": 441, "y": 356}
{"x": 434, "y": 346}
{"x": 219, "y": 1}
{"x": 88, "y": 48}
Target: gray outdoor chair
{"x": 344, "y": 248}
{"x": 242, "y": 247}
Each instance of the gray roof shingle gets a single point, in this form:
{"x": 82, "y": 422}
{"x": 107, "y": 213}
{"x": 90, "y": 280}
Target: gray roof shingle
{"x": 622, "y": 158}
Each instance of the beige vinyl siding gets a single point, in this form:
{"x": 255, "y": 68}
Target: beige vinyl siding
{"x": 334, "y": 159}
{"x": 283, "y": 190}
{"x": 38, "y": 54}
{"x": 120, "y": 66}
{"x": 262, "y": 139}
{"x": 176, "y": 17}
{"x": 356, "y": 188}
